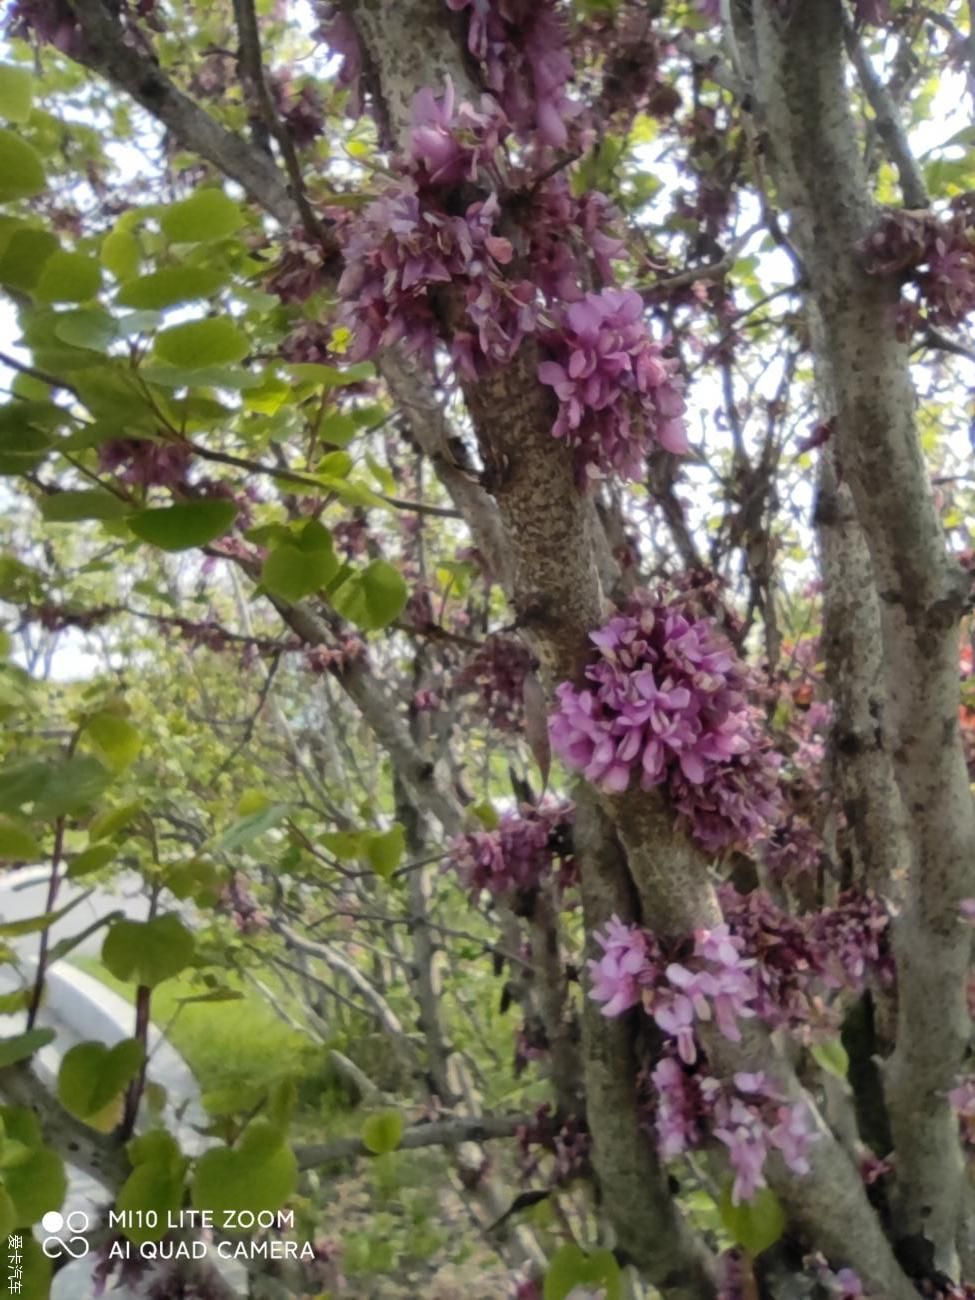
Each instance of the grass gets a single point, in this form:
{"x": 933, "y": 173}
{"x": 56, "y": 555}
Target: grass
{"x": 230, "y": 1045}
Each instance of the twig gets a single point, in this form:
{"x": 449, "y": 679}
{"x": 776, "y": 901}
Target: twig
{"x": 447, "y": 1132}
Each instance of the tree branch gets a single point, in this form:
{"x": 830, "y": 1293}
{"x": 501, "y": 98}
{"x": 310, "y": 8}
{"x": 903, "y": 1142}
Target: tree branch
{"x": 105, "y": 51}
{"x": 446, "y": 1132}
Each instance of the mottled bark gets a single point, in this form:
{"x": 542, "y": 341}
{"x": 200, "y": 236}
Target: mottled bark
{"x": 634, "y": 1193}
{"x": 853, "y": 651}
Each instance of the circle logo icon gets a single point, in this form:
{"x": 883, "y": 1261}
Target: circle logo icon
{"x": 76, "y": 1245}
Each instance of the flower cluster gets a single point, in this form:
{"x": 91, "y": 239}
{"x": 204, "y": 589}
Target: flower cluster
{"x": 718, "y": 985}
{"x": 519, "y": 853}
{"x": 301, "y": 109}
{"x": 935, "y": 254}
{"x": 54, "y": 22}
{"x": 565, "y": 1140}
{"x": 751, "y": 1118}
{"x": 401, "y": 251}
{"x": 566, "y": 232}
{"x": 145, "y": 463}
{"x": 616, "y": 391}
{"x": 521, "y": 45}
{"x": 496, "y": 671}
{"x": 666, "y": 702}
{"x": 243, "y": 907}
{"x": 336, "y": 28}
{"x": 803, "y": 961}
{"x": 760, "y": 962}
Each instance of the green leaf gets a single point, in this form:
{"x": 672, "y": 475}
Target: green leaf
{"x": 486, "y": 814}
{"x": 338, "y": 429}
{"x": 37, "y": 1185}
{"x": 329, "y": 376}
{"x": 383, "y": 1133}
{"x": 198, "y": 878}
{"x": 16, "y": 93}
{"x": 183, "y": 526}
{"x": 91, "y": 859}
{"x": 384, "y": 850}
{"x": 260, "y": 1174}
{"x": 372, "y": 597}
{"x": 832, "y": 1057}
{"x": 156, "y": 1183}
{"x": 232, "y": 377}
{"x": 17, "y": 844}
{"x": 86, "y": 327}
{"x": 292, "y": 573}
{"x": 21, "y": 170}
{"x": 171, "y": 286}
{"x": 73, "y": 785}
{"x": 573, "y": 1267}
{"x": 68, "y": 277}
{"x": 93, "y": 1078}
{"x": 249, "y": 828}
{"x": 215, "y": 341}
{"x": 120, "y": 255}
{"x": 113, "y": 820}
{"x": 148, "y": 952}
{"x": 24, "y": 257}
{"x": 22, "y": 783}
{"x": 117, "y": 742}
{"x": 72, "y": 507}
{"x": 344, "y": 844}
{"x": 205, "y": 216}
{"x": 755, "y": 1224}
{"x": 20, "y": 1046}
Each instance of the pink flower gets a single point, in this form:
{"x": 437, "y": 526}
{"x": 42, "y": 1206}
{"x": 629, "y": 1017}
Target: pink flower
{"x": 665, "y": 703}
{"x": 616, "y": 976}
{"x": 616, "y": 392}
{"x": 519, "y": 853}
{"x": 522, "y": 47}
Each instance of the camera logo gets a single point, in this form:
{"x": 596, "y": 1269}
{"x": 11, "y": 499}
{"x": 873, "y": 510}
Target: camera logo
{"x": 76, "y": 1246}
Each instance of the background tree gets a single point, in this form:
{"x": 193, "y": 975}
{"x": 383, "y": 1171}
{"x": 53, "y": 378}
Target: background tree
{"x": 553, "y": 414}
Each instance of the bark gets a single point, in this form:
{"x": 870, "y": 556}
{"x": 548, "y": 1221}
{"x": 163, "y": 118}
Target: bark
{"x": 800, "y": 85}
{"x": 854, "y": 669}
{"x": 445, "y": 1132}
{"x": 634, "y": 1192}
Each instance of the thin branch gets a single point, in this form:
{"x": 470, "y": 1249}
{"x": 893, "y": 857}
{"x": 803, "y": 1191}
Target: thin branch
{"x": 104, "y": 49}
{"x": 447, "y": 1132}
{"x": 252, "y": 69}
{"x": 889, "y": 125}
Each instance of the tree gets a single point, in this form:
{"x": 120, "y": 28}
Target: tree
{"x": 553, "y": 413}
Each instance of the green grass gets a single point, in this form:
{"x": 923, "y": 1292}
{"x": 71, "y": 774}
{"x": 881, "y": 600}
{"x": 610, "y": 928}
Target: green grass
{"x": 228, "y": 1045}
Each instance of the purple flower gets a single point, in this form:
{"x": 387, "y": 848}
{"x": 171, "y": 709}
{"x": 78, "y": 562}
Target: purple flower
{"x": 519, "y": 853}
{"x": 741, "y": 1129}
{"x": 402, "y": 250}
{"x": 665, "y": 703}
{"x": 448, "y": 147}
{"x": 521, "y": 45}
{"x": 144, "y": 462}
{"x": 616, "y": 976}
{"x": 616, "y": 392}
